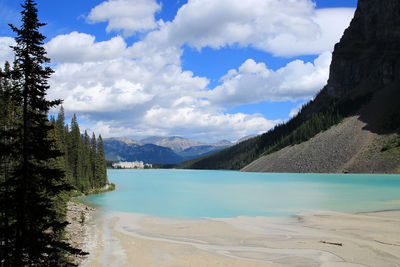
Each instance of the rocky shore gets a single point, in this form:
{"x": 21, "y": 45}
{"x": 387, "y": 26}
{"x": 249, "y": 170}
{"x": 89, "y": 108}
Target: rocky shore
{"x": 78, "y": 216}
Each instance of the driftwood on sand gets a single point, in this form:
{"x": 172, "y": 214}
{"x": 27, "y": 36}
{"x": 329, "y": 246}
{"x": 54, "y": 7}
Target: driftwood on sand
{"x": 331, "y": 243}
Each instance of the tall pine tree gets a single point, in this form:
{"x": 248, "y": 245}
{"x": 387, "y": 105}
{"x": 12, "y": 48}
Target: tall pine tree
{"x": 35, "y": 223}
{"x": 87, "y": 175}
{"x": 75, "y": 153}
{"x": 10, "y": 115}
{"x": 61, "y": 133}
{"x": 93, "y": 159}
{"x": 101, "y": 175}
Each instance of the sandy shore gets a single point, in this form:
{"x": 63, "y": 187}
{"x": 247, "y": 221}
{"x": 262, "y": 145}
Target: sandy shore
{"x": 316, "y": 239}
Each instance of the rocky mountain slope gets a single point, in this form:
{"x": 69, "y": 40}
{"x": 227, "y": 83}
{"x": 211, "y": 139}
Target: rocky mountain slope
{"x": 363, "y": 86}
{"x": 346, "y": 148}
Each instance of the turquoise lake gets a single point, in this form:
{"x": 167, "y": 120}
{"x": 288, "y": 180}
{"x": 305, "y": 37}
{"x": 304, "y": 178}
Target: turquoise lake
{"x": 196, "y": 194}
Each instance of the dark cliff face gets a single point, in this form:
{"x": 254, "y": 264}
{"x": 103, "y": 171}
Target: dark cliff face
{"x": 368, "y": 54}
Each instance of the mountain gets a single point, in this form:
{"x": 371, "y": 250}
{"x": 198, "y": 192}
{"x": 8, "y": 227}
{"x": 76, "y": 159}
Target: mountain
{"x": 224, "y": 143}
{"x": 117, "y": 149}
{"x": 353, "y": 123}
{"x": 176, "y": 143}
{"x": 180, "y": 144}
{"x": 161, "y": 150}
{"x": 125, "y": 140}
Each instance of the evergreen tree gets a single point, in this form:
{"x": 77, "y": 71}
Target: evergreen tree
{"x": 75, "y": 153}
{"x": 35, "y": 223}
{"x": 57, "y": 162}
{"x": 93, "y": 159}
{"x": 62, "y": 132}
{"x": 101, "y": 164}
{"x": 10, "y": 114}
{"x": 8, "y": 118}
{"x": 87, "y": 175}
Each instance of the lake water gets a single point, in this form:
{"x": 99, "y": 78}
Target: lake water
{"x": 196, "y": 194}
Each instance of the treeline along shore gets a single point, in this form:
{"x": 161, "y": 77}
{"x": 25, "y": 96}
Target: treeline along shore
{"x": 83, "y": 157}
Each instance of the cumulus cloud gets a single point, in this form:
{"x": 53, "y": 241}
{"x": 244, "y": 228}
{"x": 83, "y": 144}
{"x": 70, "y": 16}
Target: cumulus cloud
{"x": 203, "y": 123}
{"x": 131, "y": 98}
{"x": 254, "y": 82}
{"x": 130, "y": 16}
{"x": 141, "y": 90}
{"x": 78, "y": 47}
{"x": 119, "y": 85}
{"x": 191, "y": 122}
{"x": 331, "y": 23}
{"x": 81, "y": 47}
{"x": 6, "y": 53}
{"x": 284, "y": 28}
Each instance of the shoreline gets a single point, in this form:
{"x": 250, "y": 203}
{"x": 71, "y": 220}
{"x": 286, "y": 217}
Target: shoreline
{"x": 77, "y": 231}
{"x": 316, "y": 238}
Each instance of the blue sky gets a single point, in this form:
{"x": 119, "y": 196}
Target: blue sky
{"x": 202, "y": 69}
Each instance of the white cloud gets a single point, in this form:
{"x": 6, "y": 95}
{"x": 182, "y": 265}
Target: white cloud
{"x": 6, "y": 53}
{"x": 81, "y": 47}
{"x": 119, "y": 85}
{"x": 284, "y": 27}
{"x": 130, "y": 16}
{"x": 191, "y": 122}
{"x": 131, "y": 98}
{"x": 254, "y": 82}
{"x": 331, "y": 22}
{"x": 141, "y": 90}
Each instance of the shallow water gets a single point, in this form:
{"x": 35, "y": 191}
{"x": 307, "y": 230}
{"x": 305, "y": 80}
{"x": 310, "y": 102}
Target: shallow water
{"x": 196, "y": 194}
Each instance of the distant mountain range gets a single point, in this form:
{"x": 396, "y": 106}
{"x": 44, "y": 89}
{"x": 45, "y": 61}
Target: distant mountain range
{"x": 159, "y": 150}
